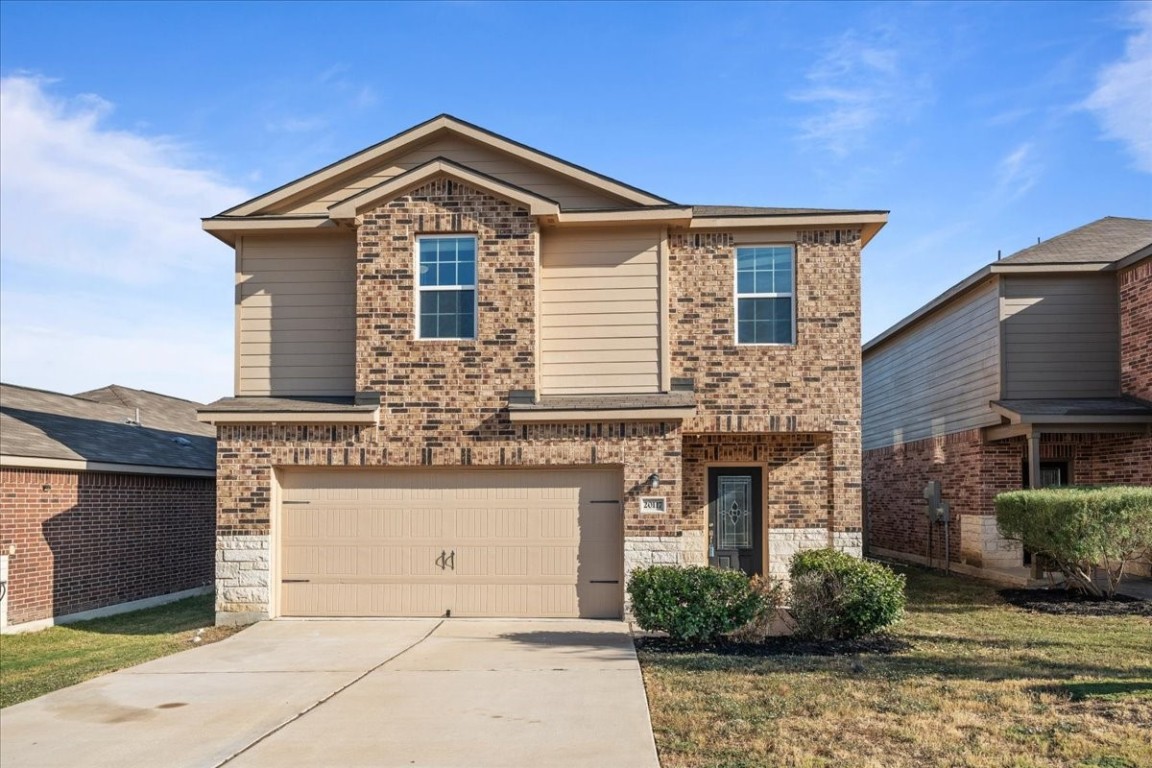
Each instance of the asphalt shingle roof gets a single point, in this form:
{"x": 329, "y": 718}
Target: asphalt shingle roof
{"x": 1101, "y": 242}
{"x": 99, "y": 426}
{"x": 752, "y": 210}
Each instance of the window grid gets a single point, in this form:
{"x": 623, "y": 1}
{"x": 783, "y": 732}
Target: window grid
{"x": 446, "y": 287}
{"x": 764, "y": 287}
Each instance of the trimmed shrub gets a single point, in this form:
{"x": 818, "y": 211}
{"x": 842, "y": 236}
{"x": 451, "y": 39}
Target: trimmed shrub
{"x": 1081, "y": 528}
{"x": 694, "y": 604}
{"x": 839, "y": 597}
{"x": 774, "y": 596}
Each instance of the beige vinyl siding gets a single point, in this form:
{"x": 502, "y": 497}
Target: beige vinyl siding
{"x": 599, "y": 311}
{"x": 296, "y": 315}
{"x": 478, "y": 157}
{"x": 1061, "y": 336}
{"x": 938, "y": 377}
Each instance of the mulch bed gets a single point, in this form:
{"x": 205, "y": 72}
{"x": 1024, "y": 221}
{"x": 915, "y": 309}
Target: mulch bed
{"x": 1063, "y": 602}
{"x": 778, "y": 646}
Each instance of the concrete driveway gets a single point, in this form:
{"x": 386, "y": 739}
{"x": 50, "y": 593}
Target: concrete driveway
{"x": 459, "y": 692}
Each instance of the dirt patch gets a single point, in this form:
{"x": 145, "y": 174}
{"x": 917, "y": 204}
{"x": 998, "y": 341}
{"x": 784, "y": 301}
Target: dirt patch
{"x": 1063, "y": 602}
{"x": 778, "y": 646}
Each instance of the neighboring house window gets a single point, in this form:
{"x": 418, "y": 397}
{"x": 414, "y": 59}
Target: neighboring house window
{"x": 765, "y": 308}
{"x": 446, "y": 288}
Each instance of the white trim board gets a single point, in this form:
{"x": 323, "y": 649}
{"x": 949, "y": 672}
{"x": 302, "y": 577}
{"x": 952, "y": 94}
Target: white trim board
{"x": 82, "y": 465}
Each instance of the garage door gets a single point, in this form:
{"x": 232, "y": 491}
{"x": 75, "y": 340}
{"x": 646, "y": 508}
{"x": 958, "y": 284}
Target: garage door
{"x": 459, "y": 542}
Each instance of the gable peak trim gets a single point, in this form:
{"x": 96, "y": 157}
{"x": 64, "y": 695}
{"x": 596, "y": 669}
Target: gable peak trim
{"x": 426, "y": 129}
{"x": 350, "y": 207}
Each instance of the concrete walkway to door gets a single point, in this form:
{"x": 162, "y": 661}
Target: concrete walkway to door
{"x": 447, "y": 694}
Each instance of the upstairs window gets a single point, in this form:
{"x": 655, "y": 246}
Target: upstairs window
{"x": 446, "y": 288}
{"x": 765, "y": 301}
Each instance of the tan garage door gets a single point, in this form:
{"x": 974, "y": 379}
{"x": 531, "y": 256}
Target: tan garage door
{"x": 530, "y": 543}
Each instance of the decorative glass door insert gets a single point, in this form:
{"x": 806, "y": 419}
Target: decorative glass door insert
{"x": 734, "y": 512}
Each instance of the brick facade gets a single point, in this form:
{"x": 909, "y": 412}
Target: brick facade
{"x": 809, "y": 391}
{"x": 1136, "y": 330}
{"x": 87, "y": 540}
{"x": 795, "y": 409}
{"x": 971, "y": 472}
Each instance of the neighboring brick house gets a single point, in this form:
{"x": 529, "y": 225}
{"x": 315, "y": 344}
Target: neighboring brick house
{"x": 1034, "y": 371}
{"x": 107, "y": 503}
{"x": 475, "y": 379}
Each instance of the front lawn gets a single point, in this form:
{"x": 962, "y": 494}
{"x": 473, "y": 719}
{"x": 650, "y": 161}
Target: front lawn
{"x": 984, "y": 685}
{"x": 37, "y": 663}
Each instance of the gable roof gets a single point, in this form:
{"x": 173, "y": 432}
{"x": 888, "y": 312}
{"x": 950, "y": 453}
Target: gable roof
{"x": 99, "y": 428}
{"x": 349, "y": 208}
{"x": 442, "y": 123}
{"x": 1105, "y": 244}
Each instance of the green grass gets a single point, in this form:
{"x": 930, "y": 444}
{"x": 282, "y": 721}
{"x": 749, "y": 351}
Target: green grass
{"x": 37, "y": 663}
{"x": 984, "y": 685}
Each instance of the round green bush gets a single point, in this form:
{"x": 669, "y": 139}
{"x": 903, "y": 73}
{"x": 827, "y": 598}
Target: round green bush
{"x": 694, "y": 604}
{"x": 838, "y": 597}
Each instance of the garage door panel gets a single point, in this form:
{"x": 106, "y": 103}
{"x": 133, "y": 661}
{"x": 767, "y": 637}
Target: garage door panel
{"x": 525, "y": 543}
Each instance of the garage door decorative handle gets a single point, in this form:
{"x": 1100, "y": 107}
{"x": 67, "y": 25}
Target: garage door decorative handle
{"x": 447, "y": 559}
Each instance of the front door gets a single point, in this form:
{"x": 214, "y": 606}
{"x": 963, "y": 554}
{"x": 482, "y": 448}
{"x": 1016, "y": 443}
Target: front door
{"x": 734, "y": 518}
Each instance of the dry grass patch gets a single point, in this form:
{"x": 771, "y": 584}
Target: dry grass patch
{"x": 37, "y": 663}
{"x": 984, "y": 685}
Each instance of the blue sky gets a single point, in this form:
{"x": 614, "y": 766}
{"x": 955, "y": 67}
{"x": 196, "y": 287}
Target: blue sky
{"x": 981, "y": 126}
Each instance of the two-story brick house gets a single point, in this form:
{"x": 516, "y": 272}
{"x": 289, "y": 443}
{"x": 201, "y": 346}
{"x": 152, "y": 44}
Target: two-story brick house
{"x": 475, "y": 379}
{"x": 1036, "y": 370}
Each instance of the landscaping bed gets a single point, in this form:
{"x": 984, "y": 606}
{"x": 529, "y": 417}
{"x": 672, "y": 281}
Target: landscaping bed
{"x": 778, "y": 646}
{"x": 1064, "y": 602}
{"x": 969, "y": 680}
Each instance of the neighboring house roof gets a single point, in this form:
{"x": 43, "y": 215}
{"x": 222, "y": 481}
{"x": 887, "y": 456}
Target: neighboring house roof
{"x": 98, "y": 430}
{"x": 1104, "y": 241}
{"x": 1072, "y": 408}
{"x": 1105, "y": 244}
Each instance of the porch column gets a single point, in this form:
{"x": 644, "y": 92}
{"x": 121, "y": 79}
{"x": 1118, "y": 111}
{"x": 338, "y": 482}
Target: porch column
{"x": 1033, "y": 459}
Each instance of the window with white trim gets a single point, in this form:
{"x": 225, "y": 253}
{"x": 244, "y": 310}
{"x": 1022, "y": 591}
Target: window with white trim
{"x": 446, "y": 287}
{"x": 765, "y": 306}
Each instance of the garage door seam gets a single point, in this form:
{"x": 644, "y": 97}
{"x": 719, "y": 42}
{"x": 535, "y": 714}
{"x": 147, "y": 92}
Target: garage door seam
{"x": 330, "y": 696}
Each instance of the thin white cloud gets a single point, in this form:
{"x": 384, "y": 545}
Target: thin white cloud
{"x": 297, "y": 125}
{"x": 85, "y": 197}
{"x": 107, "y": 275}
{"x": 1018, "y": 172}
{"x": 71, "y": 341}
{"x": 853, "y": 88}
{"x": 1122, "y": 100}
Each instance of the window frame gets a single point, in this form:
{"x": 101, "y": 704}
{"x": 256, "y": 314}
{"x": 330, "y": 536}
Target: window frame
{"x": 737, "y": 295}
{"x": 419, "y": 289}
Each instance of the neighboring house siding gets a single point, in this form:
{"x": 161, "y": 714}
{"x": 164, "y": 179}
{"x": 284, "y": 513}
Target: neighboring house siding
{"x": 486, "y": 160}
{"x": 87, "y": 540}
{"x": 1136, "y": 330}
{"x": 296, "y": 315}
{"x": 1060, "y": 336}
{"x": 938, "y": 377}
{"x": 600, "y": 311}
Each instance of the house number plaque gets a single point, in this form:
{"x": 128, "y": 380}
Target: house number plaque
{"x": 656, "y": 504}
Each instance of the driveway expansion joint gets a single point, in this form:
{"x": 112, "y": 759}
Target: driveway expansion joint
{"x": 329, "y": 697}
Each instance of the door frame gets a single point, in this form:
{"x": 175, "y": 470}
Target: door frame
{"x": 764, "y": 516}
